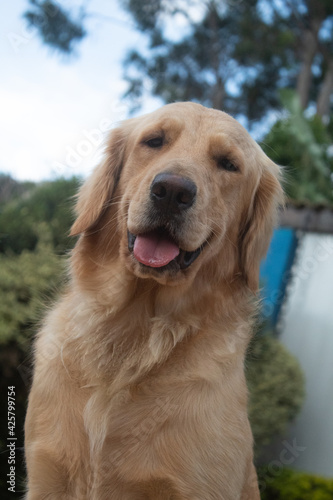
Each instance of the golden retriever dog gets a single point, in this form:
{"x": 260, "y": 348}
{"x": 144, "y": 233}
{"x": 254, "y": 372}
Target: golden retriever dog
{"x": 139, "y": 390}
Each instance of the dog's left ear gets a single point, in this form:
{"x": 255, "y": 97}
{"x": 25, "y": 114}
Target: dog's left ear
{"x": 257, "y": 230}
{"x": 97, "y": 192}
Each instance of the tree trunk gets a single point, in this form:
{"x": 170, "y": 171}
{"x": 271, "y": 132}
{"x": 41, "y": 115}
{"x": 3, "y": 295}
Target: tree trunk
{"x": 309, "y": 50}
{"x": 218, "y": 91}
{"x": 323, "y": 102}
{"x": 218, "y": 94}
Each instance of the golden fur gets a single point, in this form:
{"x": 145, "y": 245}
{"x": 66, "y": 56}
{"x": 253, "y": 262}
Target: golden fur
{"x": 139, "y": 388}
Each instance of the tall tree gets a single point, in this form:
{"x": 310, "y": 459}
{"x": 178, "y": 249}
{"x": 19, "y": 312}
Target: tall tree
{"x": 229, "y": 54}
{"x": 57, "y": 27}
{"x": 237, "y": 55}
{"x": 313, "y": 21}
{"x": 220, "y": 61}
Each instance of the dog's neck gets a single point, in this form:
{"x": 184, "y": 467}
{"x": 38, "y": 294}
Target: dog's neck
{"x": 140, "y": 322}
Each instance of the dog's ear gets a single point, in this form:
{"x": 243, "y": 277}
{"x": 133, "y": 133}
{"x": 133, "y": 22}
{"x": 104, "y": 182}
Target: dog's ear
{"x": 96, "y": 193}
{"x": 257, "y": 229}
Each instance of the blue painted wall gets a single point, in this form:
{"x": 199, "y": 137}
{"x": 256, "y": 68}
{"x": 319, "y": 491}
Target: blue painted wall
{"x": 275, "y": 270}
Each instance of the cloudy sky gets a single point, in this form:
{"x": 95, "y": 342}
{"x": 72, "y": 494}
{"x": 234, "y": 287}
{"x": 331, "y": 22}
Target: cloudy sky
{"x": 53, "y": 110}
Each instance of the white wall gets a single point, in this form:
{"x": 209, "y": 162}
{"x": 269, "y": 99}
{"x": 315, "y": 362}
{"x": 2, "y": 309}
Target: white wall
{"x": 307, "y": 330}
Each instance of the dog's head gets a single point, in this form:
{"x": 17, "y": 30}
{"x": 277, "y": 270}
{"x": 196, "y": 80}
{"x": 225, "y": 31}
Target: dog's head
{"x": 182, "y": 189}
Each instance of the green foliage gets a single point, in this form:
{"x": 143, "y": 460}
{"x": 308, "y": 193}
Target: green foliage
{"x": 205, "y": 64}
{"x": 218, "y": 58}
{"x": 34, "y": 224}
{"x": 11, "y": 189}
{"x": 304, "y": 146}
{"x": 27, "y": 281}
{"x": 145, "y": 13}
{"x": 50, "y": 202}
{"x": 291, "y": 485}
{"x": 55, "y": 25}
{"x": 276, "y": 388}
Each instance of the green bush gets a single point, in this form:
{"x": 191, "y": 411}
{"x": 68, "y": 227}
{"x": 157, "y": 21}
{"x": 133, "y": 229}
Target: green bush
{"x": 304, "y": 147}
{"x": 291, "y": 485}
{"x": 276, "y": 387}
{"x": 51, "y": 202}
{"x": 27, "y": 282}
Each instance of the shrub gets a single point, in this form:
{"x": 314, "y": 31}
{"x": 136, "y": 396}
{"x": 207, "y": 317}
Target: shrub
{"x": 292, "y": 485}
{"x": 276, "y": 388}
{"x": 27, "y": 281}
{"x": 304, "y": 146}
{"x": 20, "y": 214}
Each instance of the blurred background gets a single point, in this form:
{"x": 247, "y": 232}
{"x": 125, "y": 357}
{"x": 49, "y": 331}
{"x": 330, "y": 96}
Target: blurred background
{"x": 71, "y": 71}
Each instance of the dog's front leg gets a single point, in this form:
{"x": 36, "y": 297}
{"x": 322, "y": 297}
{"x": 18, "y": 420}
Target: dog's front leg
{"x": 46, "y": 480}
{"x": 56, "y": 445}
{"x": 51, "y": 476}
{"x": 251, "y": 488}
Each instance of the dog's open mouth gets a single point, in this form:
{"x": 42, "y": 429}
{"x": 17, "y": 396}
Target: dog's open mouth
{"x": 157, "y": 249}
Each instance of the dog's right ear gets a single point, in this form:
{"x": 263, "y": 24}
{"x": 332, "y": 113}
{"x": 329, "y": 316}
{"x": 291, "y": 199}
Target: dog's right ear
{"x": 257, "y": 232}
{"x": 97, "y": 191}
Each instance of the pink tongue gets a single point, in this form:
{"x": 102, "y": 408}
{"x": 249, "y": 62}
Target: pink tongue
{"x": 154, "y": 250}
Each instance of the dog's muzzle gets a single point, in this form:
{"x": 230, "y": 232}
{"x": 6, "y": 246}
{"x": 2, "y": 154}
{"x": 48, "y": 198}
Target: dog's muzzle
{"x": 171, "y": 196}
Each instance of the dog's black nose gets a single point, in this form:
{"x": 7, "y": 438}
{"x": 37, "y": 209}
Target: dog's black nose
{"x": 172, "y": 192}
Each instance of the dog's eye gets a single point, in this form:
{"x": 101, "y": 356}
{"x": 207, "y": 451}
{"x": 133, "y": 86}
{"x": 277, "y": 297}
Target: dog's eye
{"x": 155, "y": 142}
{"x": 226, "y": 164}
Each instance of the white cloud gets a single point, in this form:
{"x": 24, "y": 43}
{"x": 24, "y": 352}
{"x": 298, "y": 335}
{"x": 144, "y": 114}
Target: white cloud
{"x": 49, "y": 105}
{"x": 38, "y": 123}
